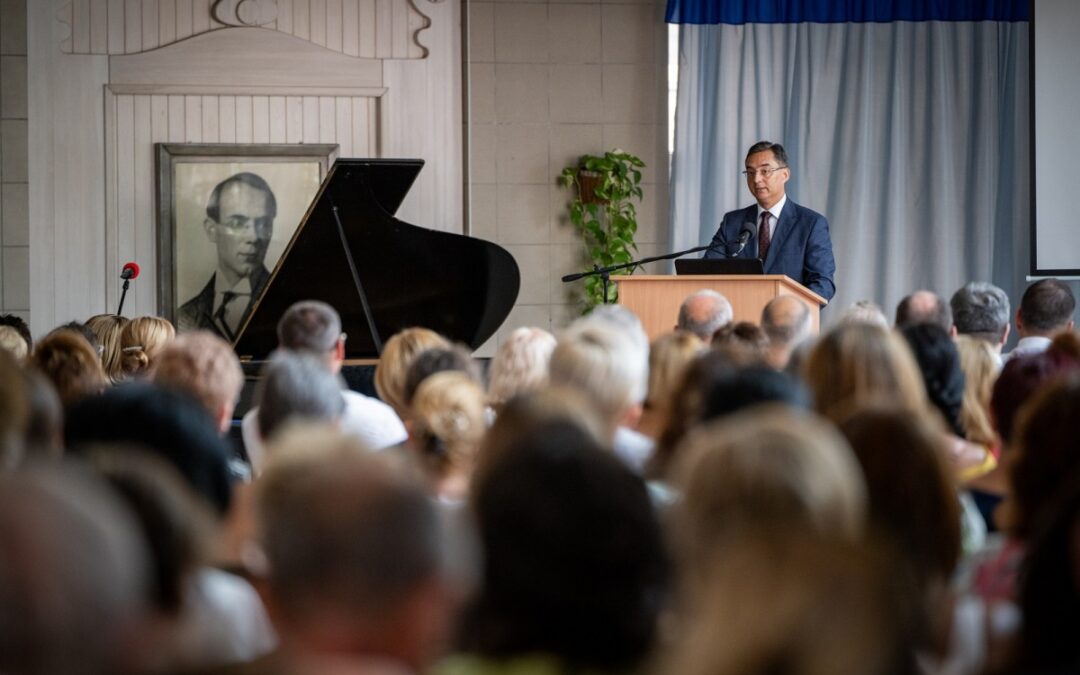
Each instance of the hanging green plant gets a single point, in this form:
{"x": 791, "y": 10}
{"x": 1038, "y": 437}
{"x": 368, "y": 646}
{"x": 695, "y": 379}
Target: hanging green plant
{"x": 604, "y": 214}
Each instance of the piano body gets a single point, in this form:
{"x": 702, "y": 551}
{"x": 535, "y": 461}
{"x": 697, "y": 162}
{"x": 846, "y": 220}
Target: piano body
{"x": 380, "y": 273}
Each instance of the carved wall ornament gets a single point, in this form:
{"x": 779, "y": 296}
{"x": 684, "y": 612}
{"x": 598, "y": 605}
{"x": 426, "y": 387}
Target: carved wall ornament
{"x": 245, "y": 12}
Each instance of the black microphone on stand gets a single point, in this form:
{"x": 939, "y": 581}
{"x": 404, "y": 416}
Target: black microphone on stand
{"x": 745, "y": 236}
{"x": 129, "y": 272}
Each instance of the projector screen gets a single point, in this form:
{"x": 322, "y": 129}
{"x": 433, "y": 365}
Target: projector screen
{"x": 1055, "y": 156}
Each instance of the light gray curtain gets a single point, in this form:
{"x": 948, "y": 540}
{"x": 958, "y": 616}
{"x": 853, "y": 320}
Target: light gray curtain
{"x": 911, "y": 138}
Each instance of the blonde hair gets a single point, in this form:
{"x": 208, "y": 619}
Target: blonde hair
{"x": 520, "y": 364}
{"x": 108, "y": 328}
{"x": 669, "y": 355}
{"x": 764, "y": 468}
{"x": 142, "y": 340}
{"x": 863, "y": 363}
{"x": 393, "y": 368}
{"x": 981, "y": 366}
{"x": 448, "y": 422}
{"x": 13, "y": 343}
{"x": 202, "y": 365}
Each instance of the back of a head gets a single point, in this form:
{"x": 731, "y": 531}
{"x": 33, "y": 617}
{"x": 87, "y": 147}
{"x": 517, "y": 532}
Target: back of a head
{"x": 980, "y": 365}
{"x": 981, "y": 310}
{"x": 764, "y": 468}
{"x": 924, "y": 307}
{"x": 203, "y": 366}
{"x": 574, "y": 562}
{"x": 108, "y": 328}
{"x": 1047, "y": 307}
{"x": 669, "y": 356}
{"x": 14, "y": 413}
{"x": 864, "y": 311}
{"x": 784, "y": 603}
{"x": 786, "y": 321}
{"x": 397, "y": 355}
{"x": 345, "y": 533}
{"x": 455, "y": 358}
{"x": 911, "y": 493}
{"x": 863, "y": 363}
{"x": 142, "y": 340}
{"x": 520, "y": 364}
{"x": 165, "y": 421}
{"x": 745, "y": 342}
{"x": 703, "y": 313}
{"x": 74, "y": 576}
{"x": 743, "y": 388}
{"x": 1020, "y": 378}
{"x": 82, "y": 329}
{"x": 939, "y": 363}
{"x": 20, "y": 327}
{"x": 448, "y": 421}
{"x": 13, "y": 343}
{"x": 296, "y": 386}
{"x": 309, "y": 326}
{"x": 71, "y": 365}
{"x": 624, "y": 322}
{"x": 602, "y": 363}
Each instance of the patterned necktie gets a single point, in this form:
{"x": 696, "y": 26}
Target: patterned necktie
{"x": 764, "y": 238}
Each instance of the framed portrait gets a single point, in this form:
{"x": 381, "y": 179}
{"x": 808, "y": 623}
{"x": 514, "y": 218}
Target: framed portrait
{"x": 226, "y": 212}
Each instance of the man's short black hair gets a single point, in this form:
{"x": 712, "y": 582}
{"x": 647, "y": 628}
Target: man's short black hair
{"x": 256, "y": 181}
{"x": 18, "y": 324}
{"x": 1047, "y": 306}
{"x": 765, "y": 146}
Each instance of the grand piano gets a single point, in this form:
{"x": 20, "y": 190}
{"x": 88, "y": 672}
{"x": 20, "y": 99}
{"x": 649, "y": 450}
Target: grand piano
{"x": 381, "y": 273}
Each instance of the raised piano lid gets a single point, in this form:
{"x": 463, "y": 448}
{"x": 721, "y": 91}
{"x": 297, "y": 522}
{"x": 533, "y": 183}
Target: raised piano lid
{"x": 458, "y": 286}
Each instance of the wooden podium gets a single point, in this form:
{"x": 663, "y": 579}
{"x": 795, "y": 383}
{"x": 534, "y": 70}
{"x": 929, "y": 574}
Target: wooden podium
{"x": 656, "y": 298}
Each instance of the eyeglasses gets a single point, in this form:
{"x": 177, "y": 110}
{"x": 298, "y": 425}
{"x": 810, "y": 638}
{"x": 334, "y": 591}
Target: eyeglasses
{"x": 764, "y": 173}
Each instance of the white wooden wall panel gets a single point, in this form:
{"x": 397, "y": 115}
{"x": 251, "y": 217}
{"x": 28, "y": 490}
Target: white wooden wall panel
{"x": 367, "y": 28}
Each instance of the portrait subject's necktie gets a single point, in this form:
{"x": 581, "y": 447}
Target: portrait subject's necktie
{"x": 229, "y": 314}
{"x": 764, "y": 236}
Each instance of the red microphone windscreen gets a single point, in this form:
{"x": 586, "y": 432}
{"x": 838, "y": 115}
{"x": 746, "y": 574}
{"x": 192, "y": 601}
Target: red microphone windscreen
{"x": 134, "y": 267}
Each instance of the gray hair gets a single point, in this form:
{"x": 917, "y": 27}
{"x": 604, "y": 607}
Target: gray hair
{"x": 703, "y": 313}
{"x": 520, "y": 364}
{"x": 981, "y": 310}
{"x": 296, "y": 385}
{"x": 605, "y": 364}
{"x": 309, "y": 325}
{"x": 627, "y": 325}
{"x": 865, "y": 311}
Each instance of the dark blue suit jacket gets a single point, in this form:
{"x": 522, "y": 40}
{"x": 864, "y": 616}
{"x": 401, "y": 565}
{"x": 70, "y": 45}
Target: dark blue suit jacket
{"x": 800, "y": 248}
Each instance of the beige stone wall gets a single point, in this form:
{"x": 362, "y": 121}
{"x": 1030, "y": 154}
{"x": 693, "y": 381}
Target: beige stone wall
{"x": 14, "y": 221}
{"x": 547, "y": 82}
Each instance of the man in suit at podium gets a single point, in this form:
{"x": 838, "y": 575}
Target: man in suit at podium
{"x": 788, "y": 238}
{"x": 240, "y": 221}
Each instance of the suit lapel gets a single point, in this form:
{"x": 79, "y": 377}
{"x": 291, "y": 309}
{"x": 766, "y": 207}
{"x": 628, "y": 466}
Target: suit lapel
{"x": 781, "y": 230}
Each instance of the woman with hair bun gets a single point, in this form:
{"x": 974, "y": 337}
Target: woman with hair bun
{"x": 141, "y": 341}
{"x": 448, "y": 425}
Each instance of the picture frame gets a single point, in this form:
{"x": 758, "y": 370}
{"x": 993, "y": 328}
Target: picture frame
{"x": 211, "y": 272}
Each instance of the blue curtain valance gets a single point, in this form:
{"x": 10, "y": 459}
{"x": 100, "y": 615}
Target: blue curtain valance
{"x": 843, "y": 11}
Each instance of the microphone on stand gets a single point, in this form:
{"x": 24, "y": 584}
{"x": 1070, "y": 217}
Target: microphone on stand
{"x": 129, "y": 272}
{"x": 744, "y": 238}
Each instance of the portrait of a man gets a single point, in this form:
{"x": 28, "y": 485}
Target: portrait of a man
{"x": 239, "y": 221}
{"x": 227, "y": 213}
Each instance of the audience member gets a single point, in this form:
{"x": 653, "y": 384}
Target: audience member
{"x": 862, "y": 364}
{"x": 71, "y": 365}
{"x": 1045, "y": 310}
{"x": 745, "y": 343}
{"x": 74, "y": 575}
{"x": 785, "y": 603}
{"x": 83, "y": 330}
{"x": 939, "y": 364}
{"x": 760, "y": 470}
{"x": 669, "y": 355}
{"x": 313, "y": 328}
{"x": 14, "y": 413}
{"x": 520, "y": 365}
{"x": 437, "y": 360}
{"x": 924, "y": 307}
{"x": 981, "y": 310}
{"x": 786, "y": 322}
{"x": 203, "y": 366}
{"x": 107, "y": 329}
{"x": 574, "y": 573}
{"x": 980, "y": 366}
{"x": 359, "y": 570}
{"x": 864, "y": 311}
{"x": 703, "y": 313}
{"x": 13, "y": 343}
{"x": 448, "y": 425}
{"x": 598, "y": 358}
{"x": 21, "y": 327}
{"x": 141, "y": 341}
{"x": 296, "y": 386}
{"x": 397, "y": 355}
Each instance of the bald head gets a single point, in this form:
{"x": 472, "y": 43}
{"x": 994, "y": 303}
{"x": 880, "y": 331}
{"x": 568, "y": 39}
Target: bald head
{"x": 703, "y": 313}
{"x": 923, "y": 307}
{"x": 786, "y": 322}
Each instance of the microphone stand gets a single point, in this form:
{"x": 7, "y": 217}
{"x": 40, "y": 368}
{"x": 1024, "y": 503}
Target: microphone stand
{"x": 605, "y": 272}
{"x": 123, "y": 294}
